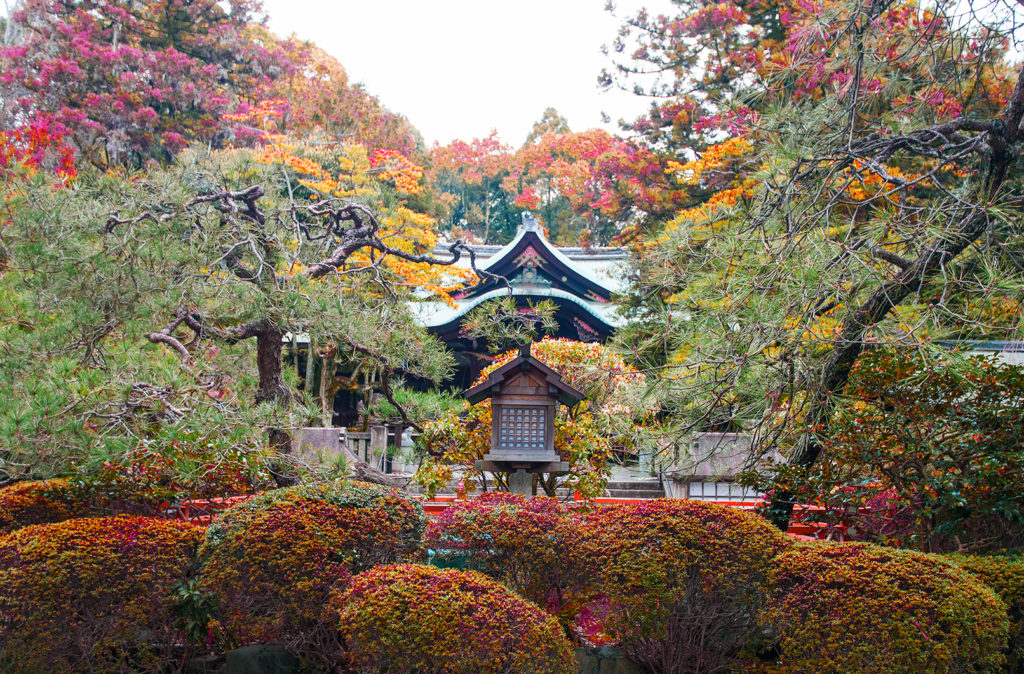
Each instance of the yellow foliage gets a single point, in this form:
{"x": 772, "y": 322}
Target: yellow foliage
{"x": 358, "y": 174}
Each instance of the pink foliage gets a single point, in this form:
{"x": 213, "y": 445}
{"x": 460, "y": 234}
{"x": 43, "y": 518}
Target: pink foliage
{"x": 128, "y": 83}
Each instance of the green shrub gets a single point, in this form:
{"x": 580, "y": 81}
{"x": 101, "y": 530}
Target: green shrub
{"x": 270, "y": 563}
{"x": 684, "y": 579}
{"x": 411, "y": 618}
{"x": 1005, "y": 575}
{"x": 92, "y": 594}
{"x": 856, "y": 607}
{"x": 25, "y": 503}
{"x": 523, "y": 543}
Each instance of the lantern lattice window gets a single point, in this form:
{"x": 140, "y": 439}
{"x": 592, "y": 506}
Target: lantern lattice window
{"x": 521, "y": 427}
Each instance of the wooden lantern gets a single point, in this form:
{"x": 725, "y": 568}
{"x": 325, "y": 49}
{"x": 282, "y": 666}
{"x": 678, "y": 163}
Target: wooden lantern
{"x": 524, "y": 394}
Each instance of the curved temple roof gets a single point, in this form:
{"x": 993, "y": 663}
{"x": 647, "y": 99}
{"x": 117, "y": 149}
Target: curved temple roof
{"x": 534, "y": 268}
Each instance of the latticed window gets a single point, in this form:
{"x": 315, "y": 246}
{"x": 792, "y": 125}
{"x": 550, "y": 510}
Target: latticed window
{"x": 521, "y": 427}
{"x": 723, "y": 491}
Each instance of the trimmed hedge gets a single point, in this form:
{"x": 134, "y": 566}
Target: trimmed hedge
{"x": 92, "y": 594}
{"x": 269, "y": 564}
{"x": 856, "y": 607}
{"x": 1005, "y": 575}
{"x": 412, "y": 618}
{"x": 38, "y": 502}
{"x": 523, "y": 543}
{"x": 684, "y": 579}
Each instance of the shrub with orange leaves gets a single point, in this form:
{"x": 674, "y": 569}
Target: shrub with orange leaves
{"x": 144, "y": 481}
{"x": 855, "y": 607}
{"x": 411, "y": 618}
{"x": 1005, "y": 575}
{"x": 268, "y": 564}
{"x": 934, "y": 449}
{"x": 93, "y": 594}
{"x": 684, "y": 579}
{"x": 37, "y": 502}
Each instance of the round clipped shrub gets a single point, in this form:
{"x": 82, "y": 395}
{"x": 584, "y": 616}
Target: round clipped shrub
{"x": 37, "y": 502}
{"x": 411, "y": 618}
{"x": 92, "y": 594}
{"x": 269, "y": 564}
{"x": 855, "y": 607}
{"x": 684, "y": 579}
{"x": 1005, "y": 575}
{"x": 521, "y": 542}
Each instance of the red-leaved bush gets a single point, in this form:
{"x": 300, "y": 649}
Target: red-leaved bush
{"x": 270, "y": 563}
{"x": 93, "y": 595}
{"x": 411, "y": 618}
{"x": 684, "y": 579}
{"x": 1005, "y": 575}
{"x": 518, "y": 541}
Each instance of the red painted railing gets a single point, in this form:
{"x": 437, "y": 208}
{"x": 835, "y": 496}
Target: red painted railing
{"x": 203, "y": 511}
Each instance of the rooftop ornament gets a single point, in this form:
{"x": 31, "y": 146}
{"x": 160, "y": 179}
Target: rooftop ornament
{"x": 524, "y": 394}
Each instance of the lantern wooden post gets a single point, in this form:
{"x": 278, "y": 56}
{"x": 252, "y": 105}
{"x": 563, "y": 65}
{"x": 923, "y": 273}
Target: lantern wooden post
{"x": 524, "y": 395}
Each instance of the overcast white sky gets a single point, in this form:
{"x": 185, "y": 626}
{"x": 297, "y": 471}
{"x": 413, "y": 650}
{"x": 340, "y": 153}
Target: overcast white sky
{"x": 459, "y": 68}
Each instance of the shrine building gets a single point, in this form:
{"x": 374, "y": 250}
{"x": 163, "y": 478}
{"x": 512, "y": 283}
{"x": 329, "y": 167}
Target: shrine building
{"x": 580, "y": 282}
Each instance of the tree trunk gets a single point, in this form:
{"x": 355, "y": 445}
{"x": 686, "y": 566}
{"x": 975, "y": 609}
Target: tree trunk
{"x": 487, "y": 215}
{"x": 269, "y": 347}
{"x": 309, "y": 380}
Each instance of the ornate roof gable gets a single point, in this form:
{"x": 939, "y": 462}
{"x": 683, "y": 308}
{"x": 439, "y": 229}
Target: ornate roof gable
{"x": 531, "y": 261}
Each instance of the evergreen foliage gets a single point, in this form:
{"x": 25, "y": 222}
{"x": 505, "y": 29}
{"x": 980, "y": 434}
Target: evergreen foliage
{"x": 134, "y": 301}
{"x": 853, "y": 167}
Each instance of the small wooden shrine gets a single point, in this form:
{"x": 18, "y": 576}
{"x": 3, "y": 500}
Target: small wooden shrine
{"x": 524, "y": 394}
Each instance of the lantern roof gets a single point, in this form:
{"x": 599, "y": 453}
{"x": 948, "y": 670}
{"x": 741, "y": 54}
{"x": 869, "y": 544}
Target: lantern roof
{"x": 491, "y": 386}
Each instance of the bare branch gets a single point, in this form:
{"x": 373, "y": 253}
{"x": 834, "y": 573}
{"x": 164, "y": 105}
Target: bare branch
{"x": 165, "y": 336}
{"x": 890, "y": 257}
{"x": 366, "y": 234}
{"x": 113, "y": 222}
{"x": 231, "y": 335}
